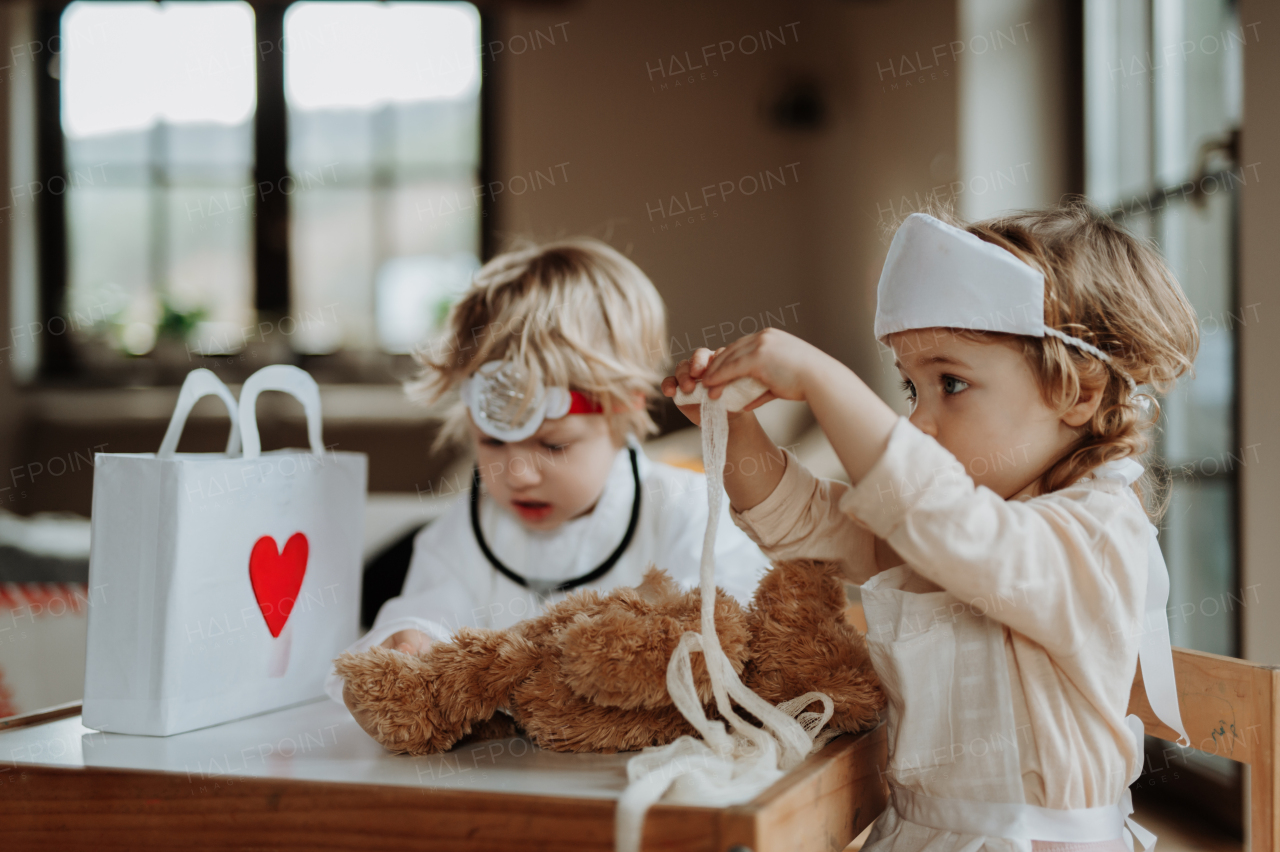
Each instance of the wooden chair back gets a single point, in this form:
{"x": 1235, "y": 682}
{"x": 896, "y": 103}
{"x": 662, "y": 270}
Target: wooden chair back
{"x": 1230, "y": 708}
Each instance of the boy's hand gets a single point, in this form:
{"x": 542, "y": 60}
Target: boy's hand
{"x": 779, "y": 361}
{"x": 408, "y": 641}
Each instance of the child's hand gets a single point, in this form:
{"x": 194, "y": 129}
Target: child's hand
{"x": 746, "y": 437}
{"x": 780, "y": 361}
{"x": 686, "y": 378}
{"x": 408, "y": 641}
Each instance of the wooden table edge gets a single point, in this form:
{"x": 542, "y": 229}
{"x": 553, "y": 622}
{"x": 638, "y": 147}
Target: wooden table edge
{"x": 168, "y": 801}
{"x": 847, "y": 775}
{"x": 38, "y": 717}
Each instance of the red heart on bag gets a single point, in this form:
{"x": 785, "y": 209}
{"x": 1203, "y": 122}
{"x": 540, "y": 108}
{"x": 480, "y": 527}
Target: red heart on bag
{"x": 277, "y": 576}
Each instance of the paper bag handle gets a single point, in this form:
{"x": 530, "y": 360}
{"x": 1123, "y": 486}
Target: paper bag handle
{"x": 199, "y": 383}
{"x": 293, "y": 381}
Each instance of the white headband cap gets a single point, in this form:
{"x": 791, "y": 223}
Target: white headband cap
{"x": 939, "y": 276}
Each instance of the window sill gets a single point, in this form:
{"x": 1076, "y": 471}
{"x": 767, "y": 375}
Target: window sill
{"x": 345, "y": 403}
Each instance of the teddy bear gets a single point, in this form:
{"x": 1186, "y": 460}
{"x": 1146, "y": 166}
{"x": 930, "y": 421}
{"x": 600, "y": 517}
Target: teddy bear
{"x": 590, "y": 673}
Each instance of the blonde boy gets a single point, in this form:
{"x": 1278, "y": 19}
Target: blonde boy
{"x": 556, "y": 352}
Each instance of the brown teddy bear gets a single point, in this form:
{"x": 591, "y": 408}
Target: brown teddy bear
{"x": 590, "y": 673}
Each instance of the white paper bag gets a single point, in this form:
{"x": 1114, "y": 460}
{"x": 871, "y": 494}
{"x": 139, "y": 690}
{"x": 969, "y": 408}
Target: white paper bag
{"x": 228, "y": 581}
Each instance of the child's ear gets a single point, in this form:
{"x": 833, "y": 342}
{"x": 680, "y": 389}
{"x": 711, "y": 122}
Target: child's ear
{"x": 1085, "y": 406}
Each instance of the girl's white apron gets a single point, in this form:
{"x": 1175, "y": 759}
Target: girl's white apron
{"x": 954, "y": 777}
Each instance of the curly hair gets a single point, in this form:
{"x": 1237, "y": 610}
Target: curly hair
{"x": 1113, "y": 290}
{"x": 573, "y": 313}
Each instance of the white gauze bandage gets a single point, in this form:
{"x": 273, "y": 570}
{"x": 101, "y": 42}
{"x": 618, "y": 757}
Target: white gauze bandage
{"x": 732, "y": 764}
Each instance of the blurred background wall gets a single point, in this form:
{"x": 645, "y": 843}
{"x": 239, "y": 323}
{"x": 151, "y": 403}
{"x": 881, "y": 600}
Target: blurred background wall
{"x": 850, "y": 140}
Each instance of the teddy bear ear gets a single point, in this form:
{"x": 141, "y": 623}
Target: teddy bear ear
{"x": 657, "y": 586}
{"x": 801, "y": 589}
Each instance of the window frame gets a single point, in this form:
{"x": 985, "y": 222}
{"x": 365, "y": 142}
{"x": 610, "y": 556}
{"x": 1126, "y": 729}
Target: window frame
{"x": 58, "y": 361}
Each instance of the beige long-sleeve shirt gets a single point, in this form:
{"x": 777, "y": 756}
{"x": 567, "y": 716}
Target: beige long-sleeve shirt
{"x": 1064, "y": 574}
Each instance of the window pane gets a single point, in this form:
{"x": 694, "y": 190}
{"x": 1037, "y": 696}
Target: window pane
{"x": 127, "y": 66}
{"x": 332, "y": 235}
{"x": 411, "y": 289}
{"x": 208, "y": 258}
{"x": 158, "y": 104}
{"x": 1117, "y": 100}
{"x": 1198, "y": 534}
{"x": 109, "y": 263}
{"x": 1198, "y": 62}
{"x": 443, "y": 134}
{"x": 331, "y": 140}
{"x": 384, "y": 122}
{"x": 204, "y": 151}
{"x": 361, "y": 55}
{"x": 1198, "y": 415}
{"x": 432, "y": 217}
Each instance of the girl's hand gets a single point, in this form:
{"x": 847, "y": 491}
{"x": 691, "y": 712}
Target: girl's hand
{"x": 686, "y": 378}
{"x": 746, "y": 437}
{"x": 407, "y": 641}
{"x": 781, "y": 362}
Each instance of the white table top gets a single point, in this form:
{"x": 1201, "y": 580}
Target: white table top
{"x": 317, "y": 741}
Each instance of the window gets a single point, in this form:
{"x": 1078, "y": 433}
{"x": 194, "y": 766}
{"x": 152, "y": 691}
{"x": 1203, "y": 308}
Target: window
{"x": 157, "y": 110}
{"x": 1163, "y": 105}
{"x": 383, "y": 151}
{"x": 287, "y": 178}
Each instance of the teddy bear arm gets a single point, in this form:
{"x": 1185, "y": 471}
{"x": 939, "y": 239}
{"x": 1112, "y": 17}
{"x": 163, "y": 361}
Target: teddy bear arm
{"x": 475, "y": 674}
{"x": 389, "y": 696}
{"x": 424, "y": 703}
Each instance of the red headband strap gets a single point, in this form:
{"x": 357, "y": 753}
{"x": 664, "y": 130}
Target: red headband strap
{"x": 580, "y": 403}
